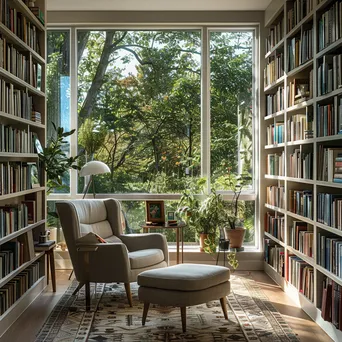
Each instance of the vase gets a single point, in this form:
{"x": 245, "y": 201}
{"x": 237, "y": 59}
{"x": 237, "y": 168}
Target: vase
{"x": 202, "y": 237}
{"x": 235, "y": 236}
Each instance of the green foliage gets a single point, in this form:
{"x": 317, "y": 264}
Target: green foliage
{"x": 54, "y": 159}
{"x": 232, "y": 261}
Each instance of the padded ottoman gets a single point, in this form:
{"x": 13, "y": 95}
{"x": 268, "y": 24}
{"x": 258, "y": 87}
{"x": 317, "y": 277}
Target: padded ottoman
{"x": 184, "y": 285}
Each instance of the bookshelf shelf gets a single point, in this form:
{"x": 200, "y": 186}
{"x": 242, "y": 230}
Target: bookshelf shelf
{"x": 20, "y": 121}
{"x": 21, "y": 231}
{"x": 276, "y": 47}
{"x": 22, "y": 96}
{"x": 274, "y": 115}
{"x": 315, "y": 76}
{"x": 10, "y": 276}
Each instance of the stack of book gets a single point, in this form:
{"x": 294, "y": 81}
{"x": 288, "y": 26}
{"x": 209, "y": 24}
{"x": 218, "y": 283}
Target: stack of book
{"x": 301, "y": 238}
{"x": 275, "y": 195}
{"x": 300, "y": 164}
{"x": 329, "y": 74}
{"x": 13, "y": 217}
{"x": 274, "y": 255}
{"x": 329, "y": 253}
{"x": 299, "y": 90}
{"x": 275, "y": 102}
{"x": 330, "y": 167}
{"x": 329, "y": 209}
{"x": 301, "y": 275}
{"x": 275, "y": 35}
{"x": 300, "y": 202}
{"x": 275, "y": 134}
{"x": 275, "y": 225}
{"x": 36, "y": 117}
{"x": 11, "y": 257}
{"x": 276, "y": 164}
{"x": 274, "y": 69}
{"x": 38, "y": 13}
{"x": 297, "y": 126}
{"x": 15, "y": 140}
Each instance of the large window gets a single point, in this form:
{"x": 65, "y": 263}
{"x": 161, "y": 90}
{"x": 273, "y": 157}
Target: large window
{"x": 137, "y": 103}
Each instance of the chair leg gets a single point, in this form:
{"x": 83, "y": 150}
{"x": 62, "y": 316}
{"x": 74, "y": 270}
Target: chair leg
{"x": 87, "y": 287}
{"x": 80, "y": 285}
{"x": 128, "y": 293}
{"x": 183, "y": 316}
{"x": 72, "y": 272}
{"x": 223, "y": 302}
{"x": 146, "y": 307}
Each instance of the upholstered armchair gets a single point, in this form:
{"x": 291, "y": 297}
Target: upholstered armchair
{"x": 121, "y": 258}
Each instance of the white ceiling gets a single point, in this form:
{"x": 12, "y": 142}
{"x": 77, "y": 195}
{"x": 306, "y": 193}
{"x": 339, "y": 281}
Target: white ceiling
{"x": 157, "y": 5}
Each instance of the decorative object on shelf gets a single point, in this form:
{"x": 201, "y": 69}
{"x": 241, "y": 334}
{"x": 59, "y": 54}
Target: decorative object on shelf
{"x": 155, "y": 212}
{"x": 92, "y": 168}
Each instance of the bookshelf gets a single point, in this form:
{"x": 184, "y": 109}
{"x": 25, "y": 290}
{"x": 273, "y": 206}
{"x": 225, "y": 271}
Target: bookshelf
{"x": 301, "y": 172}
{"x": 22, "y": 181}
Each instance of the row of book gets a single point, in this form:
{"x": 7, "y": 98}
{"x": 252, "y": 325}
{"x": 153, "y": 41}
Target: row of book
{"x": 274, "y": 255}
{"x": 329, "y": 169}
{"x": 275, "y": 195}
{"x": 301, "y": 275}
{"x": 15, "y": 288}
{"x": 329, "y": 210}
{"x": 275, "y": 225}
{"x": 17, "y": 141}
{"x": 275, "y": 35}
{"x": 330, "y": 25}
{"x": 11, "y": 257}
{"x": 19, "y": 65}
{"x": 274, "y": 69}
{"x": 301, "y": 238}
{"x": 275, "y": 102}
{"x": 299, "y": 90}
{"x": 18, "y": 176}
{"x": 300, "y": 49}
{"x": 275, "y": 134}
{"x": 300, "y": 164}
{"x": 298, "y": 127}
{"x": 15, "y": 101}
{"x": 301, "y": 203}
{"x": 297, "y": 10}
{"x": 19, "y": 25}
{"x": 329, "y": 74}
{"x": 276, "y": 164}
{"x": 332, "y": 303}
{"x": 329, "y": 119}
{"x": 329, "y": 253}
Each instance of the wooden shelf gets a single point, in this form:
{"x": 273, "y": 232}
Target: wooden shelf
{"x": 268, "y": 147}
{"x": 17, "y": 120}
{"x": 274, "y": 84}
{"x": 21, "y": 193}
{"x": 274, "y": 115}
{"x": 300, "y": 68}
{"x": 21, "y": 268}
{"x": 281, "y": 243}
{"x": 329, "y": 184}
{"x": 272, "y": 207}
{"x": 16, "y": 155}
{"x": 275, "y": 47}
{"x": 21, "y": 231}
{"x": 301, "y": 218}
{"x": 329, "y": 138}
{"x": 301, "y": 255}
{"x": 300, "y": 180}
{"x": 300, "y": 106}
{"x": 300, "y": 142}
{"x": 275, "y": 177}
{"x": 332, "y": 276}
{"x": 329, "y": 229}
{"x": 297, "y": 28}
{"x": 329, "y": 95}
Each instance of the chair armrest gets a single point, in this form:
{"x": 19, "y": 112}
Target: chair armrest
{"x": 135, "y": 242}
{"x": 108, "y": 262}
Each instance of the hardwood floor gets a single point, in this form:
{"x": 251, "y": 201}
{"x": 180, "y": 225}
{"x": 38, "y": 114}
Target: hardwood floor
{"x": 30, "y": 322}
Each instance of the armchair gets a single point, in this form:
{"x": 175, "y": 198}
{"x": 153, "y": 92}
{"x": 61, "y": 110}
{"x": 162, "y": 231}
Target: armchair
{"x": 121, "y": 259}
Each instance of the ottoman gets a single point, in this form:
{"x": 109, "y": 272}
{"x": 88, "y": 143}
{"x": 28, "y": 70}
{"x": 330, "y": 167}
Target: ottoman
{"x": 184, "y": 285}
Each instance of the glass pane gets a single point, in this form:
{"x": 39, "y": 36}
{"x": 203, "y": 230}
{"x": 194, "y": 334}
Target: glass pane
{"x": 58, "y": 88}
{"x": 231, "y": 74}
{"x": 139, "y": 108}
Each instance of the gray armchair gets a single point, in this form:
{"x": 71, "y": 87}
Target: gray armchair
{"x": 121, "y": 259}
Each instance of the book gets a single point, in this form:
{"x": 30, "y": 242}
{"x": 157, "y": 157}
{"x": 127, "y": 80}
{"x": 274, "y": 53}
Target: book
{"x": 43, "y": 246}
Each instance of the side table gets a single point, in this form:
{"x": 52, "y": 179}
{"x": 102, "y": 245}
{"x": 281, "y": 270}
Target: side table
{"x": 48, "y": 248}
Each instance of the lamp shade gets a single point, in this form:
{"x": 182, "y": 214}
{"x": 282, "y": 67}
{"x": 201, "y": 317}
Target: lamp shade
{"x": 94, "y": 168}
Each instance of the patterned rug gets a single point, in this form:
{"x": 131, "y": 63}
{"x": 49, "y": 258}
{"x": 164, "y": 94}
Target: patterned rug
{"x": 251, "y": 318}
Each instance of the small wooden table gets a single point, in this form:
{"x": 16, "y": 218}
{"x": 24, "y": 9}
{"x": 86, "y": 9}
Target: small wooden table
{"x": 179, "y": 235}
{"x": 50, "y": 259}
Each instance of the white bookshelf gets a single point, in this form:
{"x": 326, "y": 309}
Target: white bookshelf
{"x": 277, "y": 9}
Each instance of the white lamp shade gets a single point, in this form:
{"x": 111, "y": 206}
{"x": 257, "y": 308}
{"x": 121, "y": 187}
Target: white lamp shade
{"x": 94, "y": 168}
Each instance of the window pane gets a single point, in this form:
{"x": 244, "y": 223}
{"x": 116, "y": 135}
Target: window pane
{"x": 231, "y": 71}
{"x": 58, "y": 88}
{"x": 139, "y": 108}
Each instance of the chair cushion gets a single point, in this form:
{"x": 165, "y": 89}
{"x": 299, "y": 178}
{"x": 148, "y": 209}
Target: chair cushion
{"x": 145, "y": 258}
{"x": 90, "y": 212}
{"x": 102, "y": 229}
{"x": 113, "y": 239}
{"x": 184, "y": 277}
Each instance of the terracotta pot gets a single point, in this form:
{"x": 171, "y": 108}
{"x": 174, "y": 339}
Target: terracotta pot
{"x": 235, "y": 236}
{"x": 202, "y": 237}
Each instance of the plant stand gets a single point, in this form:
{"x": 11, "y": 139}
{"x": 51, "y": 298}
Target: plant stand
{"x": 223, "y": 247}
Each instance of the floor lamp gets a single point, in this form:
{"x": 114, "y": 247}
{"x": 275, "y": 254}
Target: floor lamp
{"x": 90, "y": 169}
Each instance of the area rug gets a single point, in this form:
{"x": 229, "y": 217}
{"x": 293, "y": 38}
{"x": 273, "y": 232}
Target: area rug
{"x": 251, "y": 318}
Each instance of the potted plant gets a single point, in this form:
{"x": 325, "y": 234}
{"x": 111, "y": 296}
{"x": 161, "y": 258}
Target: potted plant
{"x": 234, "y": 230}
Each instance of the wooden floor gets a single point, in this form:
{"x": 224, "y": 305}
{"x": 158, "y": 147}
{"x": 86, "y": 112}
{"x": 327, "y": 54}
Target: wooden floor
{"x": 29, "y": 323}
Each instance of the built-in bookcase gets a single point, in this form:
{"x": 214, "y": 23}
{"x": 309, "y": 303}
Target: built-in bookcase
{"x": 301, "y": 131}
{"x": 22, "y": 133}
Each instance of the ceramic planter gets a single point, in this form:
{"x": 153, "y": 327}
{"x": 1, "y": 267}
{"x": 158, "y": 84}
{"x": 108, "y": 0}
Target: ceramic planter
{"x": 235, "y": 236}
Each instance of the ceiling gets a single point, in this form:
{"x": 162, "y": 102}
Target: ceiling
{"x": 157, "y": 5}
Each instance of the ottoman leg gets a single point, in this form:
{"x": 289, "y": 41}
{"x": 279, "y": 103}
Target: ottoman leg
{"x": 146, "y": 307}
{"x": 224, "y": 307}
{"x": 183, "y": 315}
{"x": 128, "y": 293}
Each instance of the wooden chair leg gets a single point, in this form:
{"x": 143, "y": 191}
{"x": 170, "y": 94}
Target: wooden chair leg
{"x": 72, "y": 272}
{"x": 146, "y": 307}
{"x": 80, "y": 285}
{"x": 47, "y": 268}
{"x": 183, "y": 316}
{"x": 87, "y": 288}
{"x": 53, "y": 270}
{"x": 223, "y": 302}
{"x": 128, "y": 293}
